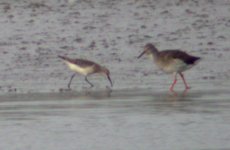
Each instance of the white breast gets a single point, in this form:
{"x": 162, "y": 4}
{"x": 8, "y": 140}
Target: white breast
{"x": 76, "y": 68}
{"x": 176, "y": 65}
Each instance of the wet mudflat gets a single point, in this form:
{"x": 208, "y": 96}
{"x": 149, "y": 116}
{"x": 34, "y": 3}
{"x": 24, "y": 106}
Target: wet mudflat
{"x": 113, "y": 33}
{"x": 131, "y": 120}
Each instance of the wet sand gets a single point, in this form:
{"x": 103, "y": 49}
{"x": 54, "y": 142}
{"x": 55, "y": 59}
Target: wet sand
{"x": 39, "y": 112}
{"x": 130, "y": 120}
{"x": 111, "y": 33}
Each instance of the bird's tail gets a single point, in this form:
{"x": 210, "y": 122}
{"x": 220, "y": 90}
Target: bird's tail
{"x": 196, "y": 60}
{"x": 63, "y": 57}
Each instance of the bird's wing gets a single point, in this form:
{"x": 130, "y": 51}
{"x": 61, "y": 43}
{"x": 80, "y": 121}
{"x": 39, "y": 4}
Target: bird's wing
{"x": 178, "y": 54}
{"x": 82, "y": 62}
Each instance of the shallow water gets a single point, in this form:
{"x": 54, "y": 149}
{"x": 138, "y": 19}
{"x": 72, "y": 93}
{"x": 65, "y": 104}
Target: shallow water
{"x": 131, "y": 120}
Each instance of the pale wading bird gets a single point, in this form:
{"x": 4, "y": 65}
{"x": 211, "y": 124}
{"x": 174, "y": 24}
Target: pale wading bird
{"x": 171, "y": 61}
{"x": 86, "y": 68}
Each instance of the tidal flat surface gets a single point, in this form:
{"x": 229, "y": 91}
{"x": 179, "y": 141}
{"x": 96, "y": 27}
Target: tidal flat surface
{"x": 116, "y": 120}
{"x": 112, "y": 33}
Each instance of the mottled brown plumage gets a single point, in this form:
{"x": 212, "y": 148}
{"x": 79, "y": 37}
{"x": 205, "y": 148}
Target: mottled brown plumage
{"x": 80, "y": 62}
{"x": 171, "y": 61}
{"x": 85, "y": 67}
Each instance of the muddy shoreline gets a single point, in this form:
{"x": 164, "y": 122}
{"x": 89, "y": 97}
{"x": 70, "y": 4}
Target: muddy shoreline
{"x": 111, "y": 33}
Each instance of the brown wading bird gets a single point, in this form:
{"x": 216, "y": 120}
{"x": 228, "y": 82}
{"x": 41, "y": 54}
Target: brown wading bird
{"x": 86, "y": 68}
{"x": 171, "y": 61}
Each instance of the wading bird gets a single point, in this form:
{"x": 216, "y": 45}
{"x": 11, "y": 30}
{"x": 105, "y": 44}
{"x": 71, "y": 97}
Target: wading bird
{"x": 86, "y": 68}
{"x": 171, "y": 61}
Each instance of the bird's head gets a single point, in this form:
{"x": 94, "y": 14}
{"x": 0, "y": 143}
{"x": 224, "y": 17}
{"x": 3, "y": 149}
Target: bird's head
{"x": 106, "y": 71}
{"x": 149, "y": 50}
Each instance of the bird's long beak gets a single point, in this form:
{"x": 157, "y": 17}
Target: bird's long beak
{"x": 141, "y": 54}
{"x": 110, "y": 80}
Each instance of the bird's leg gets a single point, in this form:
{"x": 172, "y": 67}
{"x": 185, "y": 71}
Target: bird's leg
{"x": 71, "y": 80}
{"x": 186, "y": 85}
{"x": 174, "y": 82}
{"x": 88, "y": 81}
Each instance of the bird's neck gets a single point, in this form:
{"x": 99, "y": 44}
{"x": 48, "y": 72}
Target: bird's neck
{"x": 154, "y": 54}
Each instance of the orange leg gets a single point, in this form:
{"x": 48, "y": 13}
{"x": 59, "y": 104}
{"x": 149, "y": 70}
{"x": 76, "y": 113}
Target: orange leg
{"x": 174, "y": 82}
{"x": 186, "y": 85}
